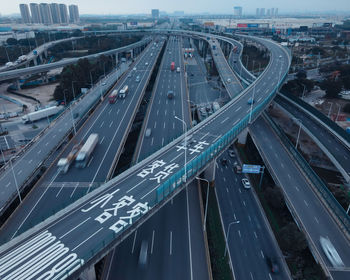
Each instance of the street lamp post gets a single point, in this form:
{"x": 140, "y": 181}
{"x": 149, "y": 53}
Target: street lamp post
{"x": 15, "y": 179}
{"x": 299, "y": 121}
{"x": 302, "y": 97}
{"x": 206, "y": 202}
{"x": 330, "y": 109}
{"x": 251, "y": 104}
{"x": 228, "y": 234}
{"x": 70, "y": 109}
{"x": 185, "y": 127}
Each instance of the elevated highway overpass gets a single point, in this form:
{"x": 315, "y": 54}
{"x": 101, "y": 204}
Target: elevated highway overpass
{"x": 89, "y": 228}
{"x": 12, "y": 74}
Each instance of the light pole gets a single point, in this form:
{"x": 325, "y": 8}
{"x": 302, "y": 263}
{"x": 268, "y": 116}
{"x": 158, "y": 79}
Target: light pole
{"x": 251, "y": 104}
{"x": 185, "y": 127}
{"x": 101, "y": 87}
{"x": 228, "y": 234}
{"x": 339, "y": 107}
{"x": 300, "y": 122}
{"x": 206, "y": 202}
{"x": 302, "y": 97}
{"x": 14, "y": 177}
{"x": 330, "y": 109}
{"x": 70, "y": 109}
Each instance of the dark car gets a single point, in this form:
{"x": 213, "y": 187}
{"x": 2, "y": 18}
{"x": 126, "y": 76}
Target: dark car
{"x": 273, "y": 265}
{"x": 224, "y": 161}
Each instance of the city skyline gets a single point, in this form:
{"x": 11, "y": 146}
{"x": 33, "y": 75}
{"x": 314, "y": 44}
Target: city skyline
{"x": 140, "y": 7}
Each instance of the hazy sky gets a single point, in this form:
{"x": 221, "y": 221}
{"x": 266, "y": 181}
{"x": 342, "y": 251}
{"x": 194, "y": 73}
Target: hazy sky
{"x": 189, "y": 6}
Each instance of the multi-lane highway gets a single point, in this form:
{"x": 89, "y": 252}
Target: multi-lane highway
{"x": 251, "y": 241}
{"x": 173, "y": 235}
{"x": 38, "y": 51}
{"x": 334, "y": 148}
{"x": 312, "y": 215}
{"x": 111, "y": 122}
{"x": 90, "y": 225}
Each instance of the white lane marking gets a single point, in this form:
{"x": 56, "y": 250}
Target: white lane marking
{"x": 270, "y": 276}
{"x": 8, "y": 184}
{"x": 111, "y": 124}
{"x": 152, "y": 141}
{"x": 226, "y": 189}
{"x": 224, "y": 120}
{"x": 30, "y": 161}
{"x": 133, "y": 243}
{"x": 103, "y": 138}
{"x": 19, "y": 172}
{"x": 251, "y": 276}
{"x": 171, "y": 243}
{"x": 155, "y": 125}
{"x": 136, "y": 186}
{"x": 118, "y": 111}
{"x": 39, "y": 152}
{"x": 77, "y": 184}
{"x": 102, "y": 124}
{"x": 317, "y": 220}
{"x": 282, "y": 165}
{"x": 152, "y": 242}
{"x": 262, "y": 254}
{"x": 109, "y": 111}
{"x": 165, "y": 112}
{"x": 47, "y": 144}
{"x": 164, "y": 125}
{"x": 239, "y": 108}
{"x": 176, "y": 157}
{"x": 68, "y": 232}
{"x": 224, "y": 179}
{"x": 250, "y": 219}
{"x": 297, "y": 188}
{"x": 306, "y": 203}
{"x": 92, "y": 157}
{"x": 60, "y": 189}
{"x": 204, "y": 136}
{"x": 157, "y": 112}
{"x": 244, "y": 203}
{"x": 239, "y": 233}
{"x": 162, "y": 141}
{"x": 87, "y": 239}
{"x": 256, "y": 236}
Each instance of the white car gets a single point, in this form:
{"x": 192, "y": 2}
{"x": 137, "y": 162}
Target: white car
{"x": 134, "y": 69}
{"x": 246, "y": 183}
{"x": 229, "y": 80}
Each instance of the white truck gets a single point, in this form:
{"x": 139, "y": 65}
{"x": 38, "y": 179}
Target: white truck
{"x": 64, "y": 163}
{"x": 216, "y": 106}
{"x": 37, "y": 115}
{"x": 86, "y": 150}
{"x": 123, "y": 92}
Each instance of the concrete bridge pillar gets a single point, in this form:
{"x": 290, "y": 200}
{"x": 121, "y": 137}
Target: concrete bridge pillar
{"x": 116, "y": 58}
{"x": 209, "y": 172}
{"x": 201, "y": 45}
{"x": 16, "y": 84}
{"x": 191, "y": 42}
{"x": 242, "y": 137}
{"x": 88, "y": 274}
{"x": 35, "y": 59}
{"x": 45, "y": 52}
{"x": 131, "y": 53}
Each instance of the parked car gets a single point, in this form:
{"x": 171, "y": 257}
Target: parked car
{"x": 231, "y": 153}
{"x": 246, "y": 183}
{"x": 148, "y": 132}
{"x": 224, "y": 161}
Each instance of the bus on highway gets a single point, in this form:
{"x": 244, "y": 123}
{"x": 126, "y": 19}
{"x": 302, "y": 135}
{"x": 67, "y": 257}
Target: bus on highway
{"x": 113, "y": 97}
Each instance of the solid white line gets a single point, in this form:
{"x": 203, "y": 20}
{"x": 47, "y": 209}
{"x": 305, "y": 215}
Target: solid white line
{"x": 136, "y": 186}
{"x": 171, "y": 243}
{"x": 176, "y": 157}
{"x": 31, "y": 210}
{"x": 87, "y": 239}
{"x": 60, "y": 190}
{"x": 224, "y": 120}
{"x": 103, "y": 138}
{"x": 256, "y": 236}
{"x": 68, "y": 232}
{"x": 239, "y": 108}
{"x": 74, "y": 189}
{"x": 262, "y": 254}
{"x": 133, "y": 243}
{"x": 152, "y": 242}
{"x": 189, "y": 233}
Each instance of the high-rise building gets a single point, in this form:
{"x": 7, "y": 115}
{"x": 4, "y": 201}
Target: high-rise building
{"x": 276, "y": 12}
{"x": 74, "y": 13}
{"x": 257, "y": 12}
{"x": 63, "y": 13}
{"x": 262, "y": 12}
{"x": 268, "y": 12}
{"x": 24, "y": 13}
{"x": 55, "y": 13}
{"x": 272, "y": 12}
{"x": 45, "y": 13}
{"x": 155, "y": 13}
{"x": 35, "y": 11}
{"x": 237, "y": 11}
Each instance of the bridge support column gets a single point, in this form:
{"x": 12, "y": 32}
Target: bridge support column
{"x": 242, "y": 137}
{"x": 16, "y": 84}
{"x": 88, "y": 274}
{"x": 35, "y": 59}
{"x": 209, "y": 173}
{"x": 131, "y": 53}
{"x": 116, "y": 58}
{"x": 45, "y": 52}
{"x": 201, "y": 45}
{"x": 191, "y": 42}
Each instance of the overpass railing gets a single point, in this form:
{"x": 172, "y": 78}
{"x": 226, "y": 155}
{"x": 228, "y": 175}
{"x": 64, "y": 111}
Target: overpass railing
{"x": 328, "y": 122}
{"x": 323, "y": 191}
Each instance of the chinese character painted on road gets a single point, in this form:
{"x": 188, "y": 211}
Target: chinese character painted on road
{"x": 165, "y": 173}
{"x": 198, "y": 147}
{"x": 103, "y": 200}
{"x": 124, "y": 201}
{"x": 151, "y": 167}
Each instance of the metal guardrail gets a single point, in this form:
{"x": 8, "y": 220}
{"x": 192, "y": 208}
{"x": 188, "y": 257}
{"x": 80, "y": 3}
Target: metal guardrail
{"x": 320, "y": 186}
{"x": 318, "y": 115}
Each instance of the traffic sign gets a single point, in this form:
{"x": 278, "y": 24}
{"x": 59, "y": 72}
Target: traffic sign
{"x": 248, "y": 168}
